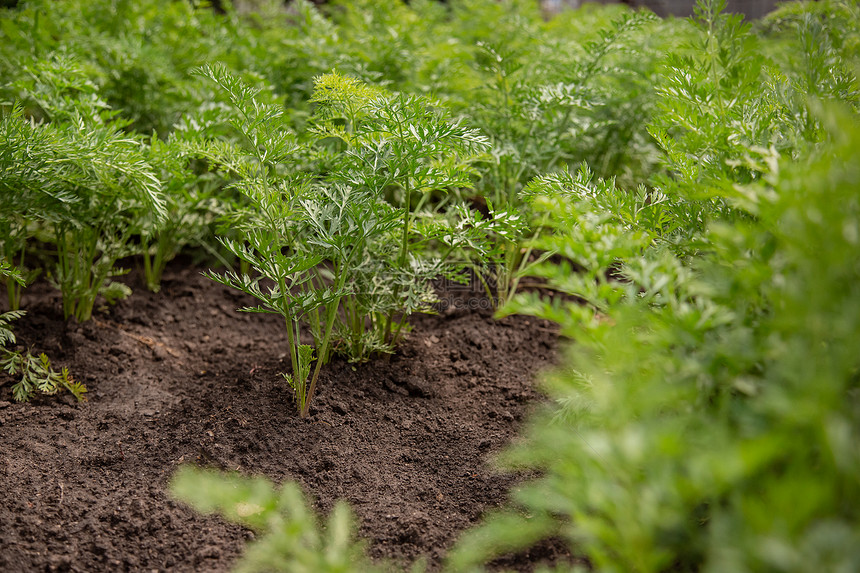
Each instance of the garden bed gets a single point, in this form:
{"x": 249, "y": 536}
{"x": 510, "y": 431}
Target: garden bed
{"x": 181, "y": 377}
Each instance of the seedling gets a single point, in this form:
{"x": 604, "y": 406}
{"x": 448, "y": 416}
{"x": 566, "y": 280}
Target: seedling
{"x": 36, "y": 374}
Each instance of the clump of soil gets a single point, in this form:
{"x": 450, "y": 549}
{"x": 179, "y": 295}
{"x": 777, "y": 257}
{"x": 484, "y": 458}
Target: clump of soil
{"x": 181, "y": 377}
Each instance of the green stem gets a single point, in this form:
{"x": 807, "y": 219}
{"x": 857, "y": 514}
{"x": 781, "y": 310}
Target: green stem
{"x": 14, "y": 290}
{"x": 401, "y": 259}
{"x": 63, "y": 261}
{"x": 505, "y": 276}
{"x": 92, "y": 273}
{"x": 516, "y": 276}
{"x": 484, "y": 283}
{"x": 331, "y": 314}
{"x": 293, "y": 349}
{"x": 147, "y": 265}
{"x": 396, "y": 336}
{"x": 355, "y": 322}
{"x": 10, "y": 293}
{"x": 407, "y": 219}
{"x": 294, "y": 361}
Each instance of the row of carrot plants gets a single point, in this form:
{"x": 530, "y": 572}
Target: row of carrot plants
{"x": 333, "y": 198}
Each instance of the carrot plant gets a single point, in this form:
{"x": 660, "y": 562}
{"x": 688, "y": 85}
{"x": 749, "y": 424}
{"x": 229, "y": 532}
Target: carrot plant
{"x": 403, "y": 149}
{"x": 329, "y": 252}
{"x": 6, "y": 335}
{"x": 194, "y": 202}
{"x": 277, "y": 240}
{"x": 13, "y": 243}
{"x": 546, "y": 102}
{"x": 77, "y": 176}
{"x": 592, "y": 227}
{"x": 35, "y": 372}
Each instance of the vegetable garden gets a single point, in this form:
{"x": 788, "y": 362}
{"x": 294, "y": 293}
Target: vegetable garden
{"x": 432, "y": 286}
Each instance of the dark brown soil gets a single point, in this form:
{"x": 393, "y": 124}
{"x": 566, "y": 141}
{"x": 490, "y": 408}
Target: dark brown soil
{"x": 181, "y": 377}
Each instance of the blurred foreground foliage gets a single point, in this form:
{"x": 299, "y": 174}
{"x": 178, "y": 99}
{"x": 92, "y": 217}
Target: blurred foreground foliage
{"x": 707, "y": 415}
{"x": 709, "y": 419}
{"x": 290, "y": 535}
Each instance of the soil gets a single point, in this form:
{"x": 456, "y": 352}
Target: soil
{"x": 180, "y": 377}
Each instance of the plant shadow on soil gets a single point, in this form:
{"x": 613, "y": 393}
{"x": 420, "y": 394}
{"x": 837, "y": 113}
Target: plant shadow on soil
{"x": 181, "y": 377}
